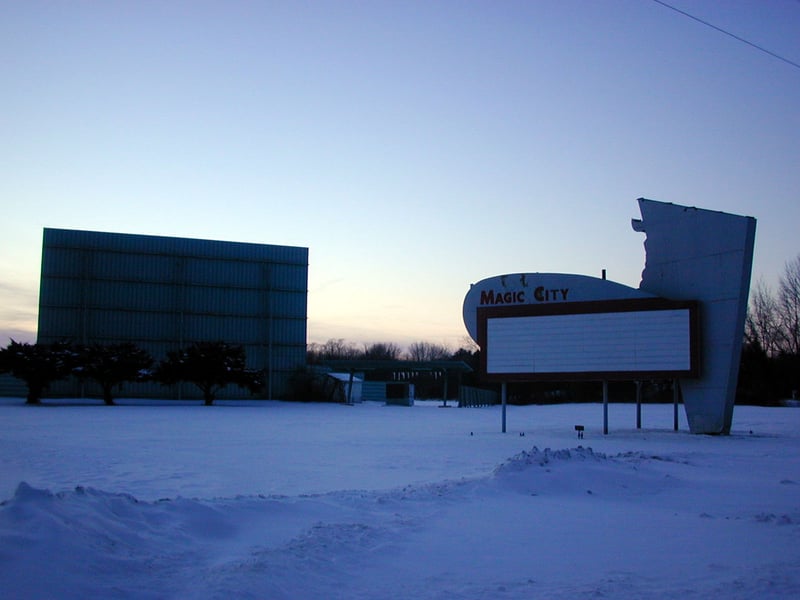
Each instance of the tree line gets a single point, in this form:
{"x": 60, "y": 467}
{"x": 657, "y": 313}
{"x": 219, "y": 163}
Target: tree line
{"x": 211, "y": 366}
{"x": 339, "y": 349}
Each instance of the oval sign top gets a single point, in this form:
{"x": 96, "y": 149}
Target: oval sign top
{"x": 517, "y": 289}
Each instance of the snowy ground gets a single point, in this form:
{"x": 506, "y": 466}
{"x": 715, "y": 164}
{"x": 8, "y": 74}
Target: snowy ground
{"x": 281, "y": 500}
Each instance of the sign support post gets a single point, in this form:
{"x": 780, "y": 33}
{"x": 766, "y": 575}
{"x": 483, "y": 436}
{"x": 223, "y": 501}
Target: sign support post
{"x": 675, "y": 393}
{"x": 638, "y": 404}
{"x": 503, "y": 397}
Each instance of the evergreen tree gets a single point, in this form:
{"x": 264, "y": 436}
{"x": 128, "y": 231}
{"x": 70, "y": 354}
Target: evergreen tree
{"x": 112, "y": 365}
{"x": 211, "y": 366}
{"x": 38, "y": 365}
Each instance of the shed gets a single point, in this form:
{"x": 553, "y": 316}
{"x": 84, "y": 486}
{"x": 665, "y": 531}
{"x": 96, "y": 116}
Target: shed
{"x": 339, "y": 387}
{"x": 400, "y": 366}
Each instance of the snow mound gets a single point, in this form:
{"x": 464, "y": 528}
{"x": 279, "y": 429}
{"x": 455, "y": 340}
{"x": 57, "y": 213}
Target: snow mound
{"x": 542, "y": 458}
{"x": 87, "y": 540}
{"x": 579, "y": 470}
{"x": 91, "y": 543}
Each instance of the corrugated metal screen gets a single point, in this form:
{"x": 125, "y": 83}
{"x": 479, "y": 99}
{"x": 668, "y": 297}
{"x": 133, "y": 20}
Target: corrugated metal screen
{"x": 162, "y": 293}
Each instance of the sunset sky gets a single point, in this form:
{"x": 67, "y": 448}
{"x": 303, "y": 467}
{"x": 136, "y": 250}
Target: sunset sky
{"x": 414, "y": 147}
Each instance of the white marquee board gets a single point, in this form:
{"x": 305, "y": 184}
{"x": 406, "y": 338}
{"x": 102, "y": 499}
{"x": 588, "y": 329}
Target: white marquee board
{"x": 590, "y": 340}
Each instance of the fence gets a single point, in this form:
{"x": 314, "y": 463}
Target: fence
{"x": 470, "y": 397}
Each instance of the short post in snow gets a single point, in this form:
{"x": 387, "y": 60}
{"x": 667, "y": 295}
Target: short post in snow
{"x": 605, "y": 407}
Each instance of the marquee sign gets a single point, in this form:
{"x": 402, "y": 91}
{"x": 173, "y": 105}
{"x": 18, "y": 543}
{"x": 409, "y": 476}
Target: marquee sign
{"x": 540, "y": 326}
{"x": 562, "y": 327}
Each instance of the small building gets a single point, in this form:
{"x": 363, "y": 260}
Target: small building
{"x": 340, "y": 387}
{"x": 398, "y": 393}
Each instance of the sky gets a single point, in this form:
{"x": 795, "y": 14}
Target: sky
{"x": 413, "y": 147}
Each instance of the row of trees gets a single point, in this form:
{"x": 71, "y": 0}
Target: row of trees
{"x": 211, "y": 366}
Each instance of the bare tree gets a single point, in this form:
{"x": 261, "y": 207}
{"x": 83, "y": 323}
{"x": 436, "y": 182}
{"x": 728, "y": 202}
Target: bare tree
{"x": 468, "y": 344}
{"x": 423, "y": 351}
{"x": 382, "y": 351}
{"x": 789, "y": 306}
{"x": 770, "y": 367}
{"x": 763, "y": 327}
{"x": 333, "y": 349}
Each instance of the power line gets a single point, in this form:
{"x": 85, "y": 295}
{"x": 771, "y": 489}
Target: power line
{"x": 728, "y": 33}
